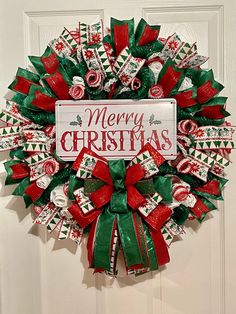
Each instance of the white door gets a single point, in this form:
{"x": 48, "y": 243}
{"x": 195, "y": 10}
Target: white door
{"x": 41, "y": 276}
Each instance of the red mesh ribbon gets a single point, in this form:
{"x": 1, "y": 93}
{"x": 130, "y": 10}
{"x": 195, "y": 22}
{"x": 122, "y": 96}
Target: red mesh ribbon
{"x": 121, "y": 37}
{"x": 158, "y": 216}
{"x": 211, "y": 187}
{"x": 23, "y": 85}
{"x": 102, "y": 196}
{"x": 101, "y": 171}
{"x": 44, "y": 102}
{"x": 20, "y": 171}
{"x": 185, "y": 99}
{"x": 51, "y": 63}
{"x": 134, "y": 198}
{"x": 169, "y": 80}
{"x": 160, "y": 247}
{"x": 134, "y": 174}
{"x": 33, "y": 191}
{"x": 149, "y": 35}
{"x": 58, "y": 85}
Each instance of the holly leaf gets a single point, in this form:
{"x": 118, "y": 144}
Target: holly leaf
{"x": 151, "y": 118}
{"x": 74, "y": 123}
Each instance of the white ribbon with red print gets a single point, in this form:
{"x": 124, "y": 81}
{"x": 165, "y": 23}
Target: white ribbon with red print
{"x": 59, "y": 220}
{"x": 127, "y": 67}
{"x": 10, "y": 138}
{"x": 42, "y": 164}
{"x": 99, "y": 59}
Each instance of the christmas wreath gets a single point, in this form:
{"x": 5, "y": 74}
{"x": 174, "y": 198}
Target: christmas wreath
{"x": 137, "y": 207}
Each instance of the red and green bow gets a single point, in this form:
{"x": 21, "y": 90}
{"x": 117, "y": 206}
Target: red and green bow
{"x": 123, "y": 207}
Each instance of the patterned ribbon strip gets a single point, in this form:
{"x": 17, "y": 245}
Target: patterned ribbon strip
{"x": 170, "y": 230}
{"x": 183, "y": 54}
{"x": 57, "y": 219}
{"x": 98, "y": 59}
{"x": 10, "y": 138}
{"x": 170, "y": 48}
{"x": 213, "y": 137}
{"x": 198, "y": 163}
{"x": 11, "y": 115}
{"x": 42, "y": 164}
{"x": 65, "y": 44}
{"x": 90, "y": 34}
{"x": 126, "y": 66}
{"x": 36, "y": 141}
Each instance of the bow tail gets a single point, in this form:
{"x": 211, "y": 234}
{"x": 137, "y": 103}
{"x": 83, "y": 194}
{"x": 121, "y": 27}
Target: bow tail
{"x": 153, "y": 263}
{"x": 138, "y": 244}
{"x": 160, "y": 246}
{"x": 148, "y": 250}
{"x": 102, "y": 243}
{"x": 133, "y": 242}
{"x": 146, "y": 246}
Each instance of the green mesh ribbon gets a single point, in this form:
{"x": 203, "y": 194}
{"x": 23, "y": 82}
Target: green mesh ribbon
{"x": 41, "y": 118}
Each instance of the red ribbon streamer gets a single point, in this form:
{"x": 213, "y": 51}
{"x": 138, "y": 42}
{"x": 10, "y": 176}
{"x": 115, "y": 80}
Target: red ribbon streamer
{"x": 23, "y": 85}
{"x": 206, "y": 92}
{"x": 20, "y": 171}
{"x": 58, "y": 85}
{"x": 51, "y": 63}
{"x": 33, "y": 191}
{"x": 149, "y": 35}
{"x": 211, "y": 187}
{"x": 161, "y": 249}
{"x": 169, "y": 80}
{"x": 90, "y": 243}
{"x": 102, "y": 196}
{"x": 158, "y": 216}
{"x": 185, "y": 99}
{"x": 134, "y": 174}
{"x": 199, "y": 208}
{"x": 121, "y": 37}
{"x": 213, "y": 112}
{"x": 44, "y": 102}
{"x": 134, "y": 198}
{"x": 101, "y": 171}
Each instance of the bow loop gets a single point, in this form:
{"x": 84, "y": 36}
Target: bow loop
{"x": 134, "y": 174}
{"x": 102, "y": 172}
{"x": 102, "y": 196}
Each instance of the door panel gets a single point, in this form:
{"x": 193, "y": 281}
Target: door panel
{"x": 42, "y": 276}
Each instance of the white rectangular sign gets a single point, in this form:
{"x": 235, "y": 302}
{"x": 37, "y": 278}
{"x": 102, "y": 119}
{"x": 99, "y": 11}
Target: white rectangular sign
{"x": 115, "y": 128}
